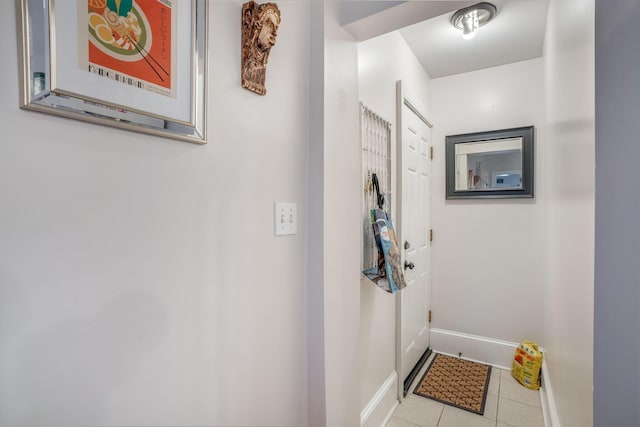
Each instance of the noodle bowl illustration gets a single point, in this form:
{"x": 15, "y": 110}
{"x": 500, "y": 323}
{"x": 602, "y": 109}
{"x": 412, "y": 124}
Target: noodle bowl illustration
{"x": 126, "y": 38}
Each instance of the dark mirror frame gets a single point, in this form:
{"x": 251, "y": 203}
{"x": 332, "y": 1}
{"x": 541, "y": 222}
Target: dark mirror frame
{"x": 527, "y": 135}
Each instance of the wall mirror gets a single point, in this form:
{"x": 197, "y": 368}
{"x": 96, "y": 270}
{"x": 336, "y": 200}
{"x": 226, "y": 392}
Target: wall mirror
{"x": 494, "y": 164}
{"x": 140, "y": 65}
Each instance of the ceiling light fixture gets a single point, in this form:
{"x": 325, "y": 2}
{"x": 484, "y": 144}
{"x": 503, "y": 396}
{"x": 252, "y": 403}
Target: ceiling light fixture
{"x": 473, "y": 17}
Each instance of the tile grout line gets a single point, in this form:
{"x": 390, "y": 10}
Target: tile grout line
{"x": 440, "y": 417}
{"x": 499, "y": 391}
{"x": 524, "y": 403}
{"x": 498, "y": 404}
{"x": 500, "y": 397}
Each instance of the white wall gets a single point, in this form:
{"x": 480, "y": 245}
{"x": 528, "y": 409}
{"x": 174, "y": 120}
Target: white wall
{"x": 341, "y": 226}
{"x": 569, "y": 175}
{"x": 489, "y": 263}
{"x": 314, "y": 257}
{"x": 617, "y": 235}
{"x": 140, "y": 281}
{"x": 381, "y": 62}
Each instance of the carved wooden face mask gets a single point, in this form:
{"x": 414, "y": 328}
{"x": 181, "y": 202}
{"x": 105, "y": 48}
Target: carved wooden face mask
{"x": 259, "y": 30}
{"x": 268, "y": 32}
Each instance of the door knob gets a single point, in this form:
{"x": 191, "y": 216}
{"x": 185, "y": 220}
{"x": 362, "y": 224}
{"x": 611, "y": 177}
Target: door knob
{"x": 409, "y": 265}
{"x": 406, "y": 244}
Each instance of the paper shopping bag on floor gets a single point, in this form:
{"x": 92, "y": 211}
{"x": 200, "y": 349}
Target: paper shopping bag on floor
{"x": 526, "y": 365}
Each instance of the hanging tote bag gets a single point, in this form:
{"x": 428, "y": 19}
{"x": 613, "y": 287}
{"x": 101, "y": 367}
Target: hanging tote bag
{"x": 387, "y": 273}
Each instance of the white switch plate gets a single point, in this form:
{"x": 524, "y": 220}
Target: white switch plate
{"x": 285, "y": 218}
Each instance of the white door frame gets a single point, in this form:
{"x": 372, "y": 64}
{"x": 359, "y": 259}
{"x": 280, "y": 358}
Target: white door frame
{"x": 403, "y": 97}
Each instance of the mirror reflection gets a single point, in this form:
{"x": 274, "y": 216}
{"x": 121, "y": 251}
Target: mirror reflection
{"x": 489, "y": 165}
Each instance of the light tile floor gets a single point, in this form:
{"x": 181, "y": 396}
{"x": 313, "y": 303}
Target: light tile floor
{"x": 508, "y": 404}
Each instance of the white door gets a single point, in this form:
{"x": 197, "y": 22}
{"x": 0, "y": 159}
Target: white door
{"x": 414, "y": 142}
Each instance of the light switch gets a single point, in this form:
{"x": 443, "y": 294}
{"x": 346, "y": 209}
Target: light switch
{"x": 285, "y": 218}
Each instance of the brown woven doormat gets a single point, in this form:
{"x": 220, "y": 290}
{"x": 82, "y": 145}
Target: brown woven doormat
{"x": 456, "y": 382}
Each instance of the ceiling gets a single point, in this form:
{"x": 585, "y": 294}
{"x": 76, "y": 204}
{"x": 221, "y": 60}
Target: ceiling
{"x": 515, "y": 34}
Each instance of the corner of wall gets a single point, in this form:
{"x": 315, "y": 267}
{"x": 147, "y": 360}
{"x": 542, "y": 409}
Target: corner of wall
{"x": 314, "y": 260}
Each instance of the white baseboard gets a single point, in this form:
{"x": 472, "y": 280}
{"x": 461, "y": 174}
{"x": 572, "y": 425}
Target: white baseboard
{"x": 490, "y": 351}
{"x": 390, "y": 414}
{"x": 549, "y": 411}
{"x": 382, "y": 404}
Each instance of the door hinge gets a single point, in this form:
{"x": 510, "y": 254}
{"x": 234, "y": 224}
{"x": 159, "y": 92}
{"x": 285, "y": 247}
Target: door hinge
{"x": 429, "y": 316}
{"x": 431, "y": 153}
{"x": 431, "y": 235}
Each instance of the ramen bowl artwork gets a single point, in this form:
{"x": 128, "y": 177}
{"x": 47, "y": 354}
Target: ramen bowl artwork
{"x": 131, "y": 42}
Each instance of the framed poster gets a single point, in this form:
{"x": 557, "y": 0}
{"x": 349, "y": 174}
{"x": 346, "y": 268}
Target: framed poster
{"x": 134, "y": 64}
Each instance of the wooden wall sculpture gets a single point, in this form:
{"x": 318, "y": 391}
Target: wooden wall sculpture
{"x": 259, "y": 30}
